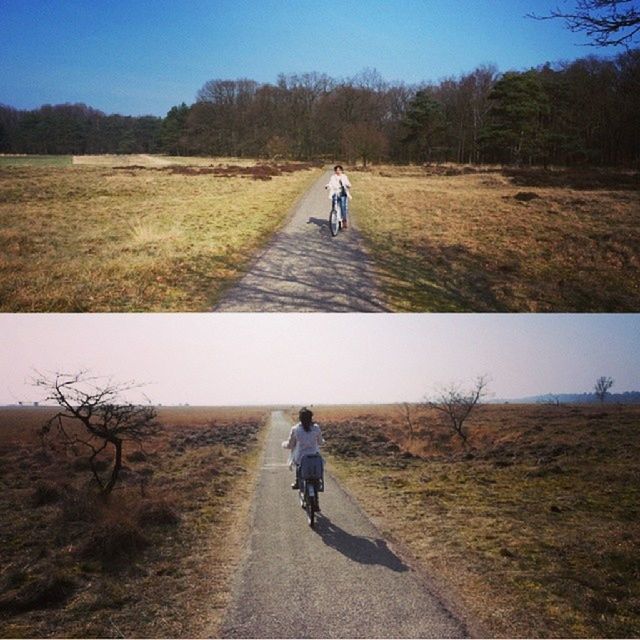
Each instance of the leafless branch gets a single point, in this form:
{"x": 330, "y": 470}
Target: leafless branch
{"x": 605, "y": 22}
{"x": 95, "y": 415}
{"x": 457, "y": 404}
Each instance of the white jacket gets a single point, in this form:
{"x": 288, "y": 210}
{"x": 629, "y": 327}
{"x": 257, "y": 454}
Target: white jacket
{"x": 303, "y": 442}
{"x": 335, "y": 187}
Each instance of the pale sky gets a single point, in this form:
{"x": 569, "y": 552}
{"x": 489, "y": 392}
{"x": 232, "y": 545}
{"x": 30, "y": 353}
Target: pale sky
{"x": 239, "y": 359}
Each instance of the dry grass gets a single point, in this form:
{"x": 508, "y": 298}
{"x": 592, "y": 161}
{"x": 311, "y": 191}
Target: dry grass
{"x": 135, "y": 238}
{"x": 532, "y": 529}
{"x": 457, "y": 239}
{"x": 156, "y": 560}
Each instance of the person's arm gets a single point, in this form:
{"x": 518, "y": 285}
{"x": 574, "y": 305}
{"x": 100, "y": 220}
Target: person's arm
{"x": 319, "y": 438}
{"x": 291, "y": 443}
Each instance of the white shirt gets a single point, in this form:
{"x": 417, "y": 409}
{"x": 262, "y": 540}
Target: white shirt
{"x": 334, "y": 184}
{"x": 303, "y": 443}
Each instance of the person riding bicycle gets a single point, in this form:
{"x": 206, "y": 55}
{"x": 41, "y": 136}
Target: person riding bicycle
{"x": 305, "y": 439}
{"x": 339, "y": 187}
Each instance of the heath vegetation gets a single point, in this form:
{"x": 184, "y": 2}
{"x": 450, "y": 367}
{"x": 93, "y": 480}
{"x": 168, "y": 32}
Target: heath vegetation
{"x": 155, "y": 557}
{"x": 530, "y": 526}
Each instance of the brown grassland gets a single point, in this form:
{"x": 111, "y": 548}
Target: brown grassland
{"x": 532, "y": 529}
{"x": 156, "y": 559}
{"x": 136, "y": 234}
{"x": 451, "y": 238}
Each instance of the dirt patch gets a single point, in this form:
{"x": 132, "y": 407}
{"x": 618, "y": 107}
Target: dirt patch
{"x": 580, "y": 179}
{"x": 525, "y": 196}
{"x": 257, "y": 172}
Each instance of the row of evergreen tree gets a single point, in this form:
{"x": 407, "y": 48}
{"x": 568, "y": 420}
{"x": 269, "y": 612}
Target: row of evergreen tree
{"x": 581, "y": 112}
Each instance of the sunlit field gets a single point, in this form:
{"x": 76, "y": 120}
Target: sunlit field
{"x": 156, "y": 559}
{"x": 136, "y": 237}
{"x": 531, "y": 528}
{"x": 451, "y": 238}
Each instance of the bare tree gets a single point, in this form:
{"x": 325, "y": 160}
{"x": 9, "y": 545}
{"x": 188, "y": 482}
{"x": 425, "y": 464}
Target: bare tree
{"x": 553, "y": 400}
{"x": 606, "y": 22}
{"x": 409, "y": 419}
{"x": 602, "y": 386}
{"x": 94, "y": 417}
{"x": 457, "y": 404}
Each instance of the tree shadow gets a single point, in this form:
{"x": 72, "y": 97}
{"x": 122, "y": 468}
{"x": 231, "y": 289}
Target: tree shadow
{"x": 304, "y": 271}
{"x": 357, "y": 548}
{"x": 445, "y": 278}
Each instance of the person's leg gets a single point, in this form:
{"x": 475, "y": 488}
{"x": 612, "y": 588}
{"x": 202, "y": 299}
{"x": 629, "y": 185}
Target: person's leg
{"x": 296, "y": 484}
{"x": 344, "y": 209}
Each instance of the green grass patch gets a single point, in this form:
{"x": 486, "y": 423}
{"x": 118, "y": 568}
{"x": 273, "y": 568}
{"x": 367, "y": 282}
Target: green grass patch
{"x": 36, "y": 161}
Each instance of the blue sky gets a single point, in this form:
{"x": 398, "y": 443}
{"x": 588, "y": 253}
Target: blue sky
{"x": 316, "y": 358}
{"x": 141, "y": 57}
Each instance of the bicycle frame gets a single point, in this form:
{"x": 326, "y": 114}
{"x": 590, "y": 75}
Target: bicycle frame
{"x": 309, "y": 489}
{"x": 309, "y": 498}
{"x": 335, "y": 216}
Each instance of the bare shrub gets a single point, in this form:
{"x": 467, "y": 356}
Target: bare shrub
{"x": 47, "y": 492}
{"x": 40, "y": 593}
{"x": 80, "y": 506}
{"x": 137, "y": 456}
{"x": 95, "y": 418}
{"x": 159, "y": 511}
{"x": 112, "y": 540}
{"x": 457, "y": 404}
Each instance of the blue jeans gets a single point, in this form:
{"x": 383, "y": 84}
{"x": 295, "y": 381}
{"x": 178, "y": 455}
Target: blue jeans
{"x": 342, "y": 201}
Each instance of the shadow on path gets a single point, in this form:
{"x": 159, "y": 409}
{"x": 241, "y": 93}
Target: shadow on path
{"x": 309, "y": 271}
{"x": 304, "y": 268}
{"x": 321, "y": 223}
{"x": 358, "y": 548}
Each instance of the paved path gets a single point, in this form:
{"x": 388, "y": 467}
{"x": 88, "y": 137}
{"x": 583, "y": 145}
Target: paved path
{"x": 337, "y": 580}
{"x": 306, "y": 269}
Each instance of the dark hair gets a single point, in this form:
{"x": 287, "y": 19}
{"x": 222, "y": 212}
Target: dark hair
{"x": 338, "y": 166}
{"x": 306, "y": 418}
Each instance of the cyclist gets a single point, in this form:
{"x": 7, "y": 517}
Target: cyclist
{"x": 305, "y": 438}
{"x": 339, "y": 187}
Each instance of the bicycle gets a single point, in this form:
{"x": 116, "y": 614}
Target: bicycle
{"x": 310, "y": 484}
{"x": 335, "y": 215}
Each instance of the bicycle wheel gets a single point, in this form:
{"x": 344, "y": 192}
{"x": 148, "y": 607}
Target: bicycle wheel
{"x": 334, "y": 224}
{"x": 311, "y": 511}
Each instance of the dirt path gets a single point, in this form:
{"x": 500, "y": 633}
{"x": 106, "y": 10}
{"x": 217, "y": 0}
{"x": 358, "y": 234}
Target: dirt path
{"x": 306, "y": 269}
{"x": 337, "y": 580}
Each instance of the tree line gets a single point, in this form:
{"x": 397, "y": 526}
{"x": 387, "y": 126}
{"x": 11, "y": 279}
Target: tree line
{"x": 570, "y": 113}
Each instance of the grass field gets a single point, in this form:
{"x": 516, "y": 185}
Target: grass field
{"x": 130, "y": 237}
{"x": 35, "y": 161}
{"x": 463, "y": 239}
{"x": 156, "y": 560}
{"x": 532, "y": 529}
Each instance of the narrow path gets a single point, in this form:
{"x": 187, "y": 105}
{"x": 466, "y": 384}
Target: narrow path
{"x": 337, "y": 580}
{"x": 306, "y": 269}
